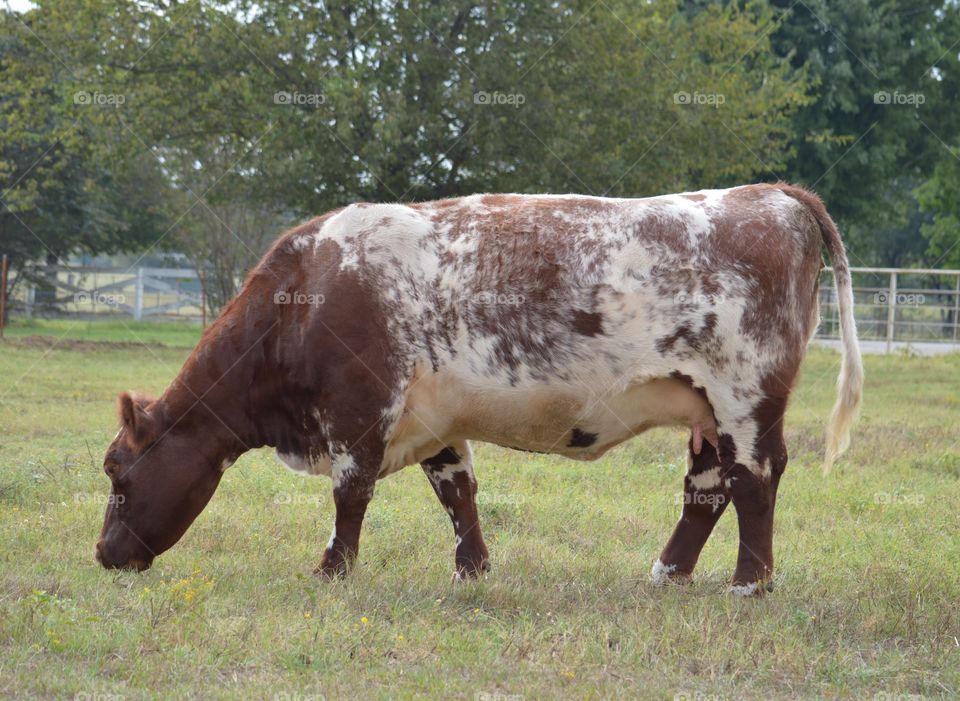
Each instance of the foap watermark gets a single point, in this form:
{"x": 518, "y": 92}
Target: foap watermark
{"x": 295, "y": 297}
{"x": 299, "y": 99}
{"x": 885, "y": 97}
{"x": 900, "y": 299}
{"x": 711, "y": 99}
{"x": 698, "y": 498}
{"x": 898, "y": 499}
{"x": 896, "y": 696}
{"x": 497, "y": 98}
{"x": 288, "y": 499}
{"x": 299, "y": 696}
{"x": 98, "y": 498}
{"x": 109, "y": 299}
{"x": 99, "y": 99}
{"x": 496, "y": 696}
{"x": 98, "y": 696}
{"x": 697, "y": 696}
{"x": 698, "y": 299}
{"x": 498, "y": 299}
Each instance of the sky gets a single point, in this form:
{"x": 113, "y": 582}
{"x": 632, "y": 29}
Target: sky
{"x": 17, "y": 5}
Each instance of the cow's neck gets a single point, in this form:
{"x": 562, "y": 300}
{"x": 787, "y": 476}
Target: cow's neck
{"x": 215, "y": 393}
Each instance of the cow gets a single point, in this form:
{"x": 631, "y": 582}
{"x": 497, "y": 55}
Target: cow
{"x": 379, "y": 336}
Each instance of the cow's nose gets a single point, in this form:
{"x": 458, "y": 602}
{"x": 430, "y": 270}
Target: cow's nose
{"x": 103, "y": 556}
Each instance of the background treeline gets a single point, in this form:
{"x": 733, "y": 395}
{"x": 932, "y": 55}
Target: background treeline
{"x": 205, "y": 128}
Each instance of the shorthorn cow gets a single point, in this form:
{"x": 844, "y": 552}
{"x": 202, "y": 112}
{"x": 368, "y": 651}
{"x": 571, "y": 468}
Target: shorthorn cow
{"x": 382, "y": 335}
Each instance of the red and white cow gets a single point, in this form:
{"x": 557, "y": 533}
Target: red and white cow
{"x": 382, "y": 335}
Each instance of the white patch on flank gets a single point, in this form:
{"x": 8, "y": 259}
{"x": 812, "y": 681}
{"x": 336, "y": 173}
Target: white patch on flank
{"x": 744, "y": 589}
{"x": 709, "y": 479}
{"x": 458, "y": 540}
{"x": 226, "y": 464}
{"x": 660, "y": 574}
{"x": 333, "y": 537}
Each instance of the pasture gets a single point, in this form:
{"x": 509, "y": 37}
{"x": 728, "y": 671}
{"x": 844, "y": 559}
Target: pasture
{"x": 867, "y": 584}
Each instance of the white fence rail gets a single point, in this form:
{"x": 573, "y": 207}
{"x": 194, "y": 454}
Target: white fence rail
{"x": 898, "y": 307}
{"x": 138, "y": 292}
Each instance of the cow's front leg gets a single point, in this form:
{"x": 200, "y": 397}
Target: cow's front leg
{"x": 704, "y": 499}
{"x": 451, "y": 474}
{"x": 352, "y": 492}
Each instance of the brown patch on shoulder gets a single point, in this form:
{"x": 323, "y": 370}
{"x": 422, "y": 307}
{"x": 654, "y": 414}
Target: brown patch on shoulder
{"x": 695, "y": 198}
{"x": 587, "y": 323}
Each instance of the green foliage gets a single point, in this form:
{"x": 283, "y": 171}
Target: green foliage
{"x": 60, "y": 191}
{"x": 883, "y": 74}
{"x": 322, "y": 105}
{"x": 940, "y": 196}
{"x": 205, "y": 127}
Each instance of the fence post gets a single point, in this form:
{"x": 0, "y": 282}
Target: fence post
{"x": 891, "y": 311}
{"x": 956, "y": 309}
{"x": 138, "y": 296}
{"x": 3, "y": 292}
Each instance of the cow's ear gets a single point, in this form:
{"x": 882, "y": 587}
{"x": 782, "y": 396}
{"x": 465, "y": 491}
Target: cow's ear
{"x": 140, "y": 419}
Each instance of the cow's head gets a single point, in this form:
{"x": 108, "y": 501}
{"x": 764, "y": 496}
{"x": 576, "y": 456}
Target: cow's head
{"x": 163, "y": 474}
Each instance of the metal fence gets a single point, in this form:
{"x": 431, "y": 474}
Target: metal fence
{"x": 92, "y": 291}
{"x": 898, "y": 307}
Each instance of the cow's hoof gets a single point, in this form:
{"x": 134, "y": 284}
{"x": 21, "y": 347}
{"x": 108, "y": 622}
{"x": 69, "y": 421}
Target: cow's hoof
{"x": 470, "y": 570}
{"x": 751, "y": 588}
{"x": 330, "y": 569}
{"x": 661, "y": 574}
{"x": 329, "y": 574}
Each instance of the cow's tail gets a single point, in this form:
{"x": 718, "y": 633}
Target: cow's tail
{"x": 850, "y": 380}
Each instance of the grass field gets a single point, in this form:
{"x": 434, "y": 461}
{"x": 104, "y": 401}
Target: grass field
{"x": 868, "y": 585}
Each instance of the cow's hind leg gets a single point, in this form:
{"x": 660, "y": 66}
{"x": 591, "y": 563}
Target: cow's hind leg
{"x": 451, "y": 474}
{"x": 754, "y": 493}
{"x": 353, "y": 478}
{"x": 704, "y": 500}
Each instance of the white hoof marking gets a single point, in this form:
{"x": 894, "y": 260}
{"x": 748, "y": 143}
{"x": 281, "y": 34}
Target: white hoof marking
{"x": 660, "y": 574}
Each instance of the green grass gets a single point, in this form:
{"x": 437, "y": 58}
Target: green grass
{"x": 868, "y": 583}
{"x": 119, "y": 330}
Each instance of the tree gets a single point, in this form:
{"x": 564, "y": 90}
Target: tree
{"x": 882, "y": 108}
{"x": 59, "y": 195}
{"x": 251, "y": 109}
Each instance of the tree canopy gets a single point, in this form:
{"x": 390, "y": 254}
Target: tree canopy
{"x": 205, "y": 127}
